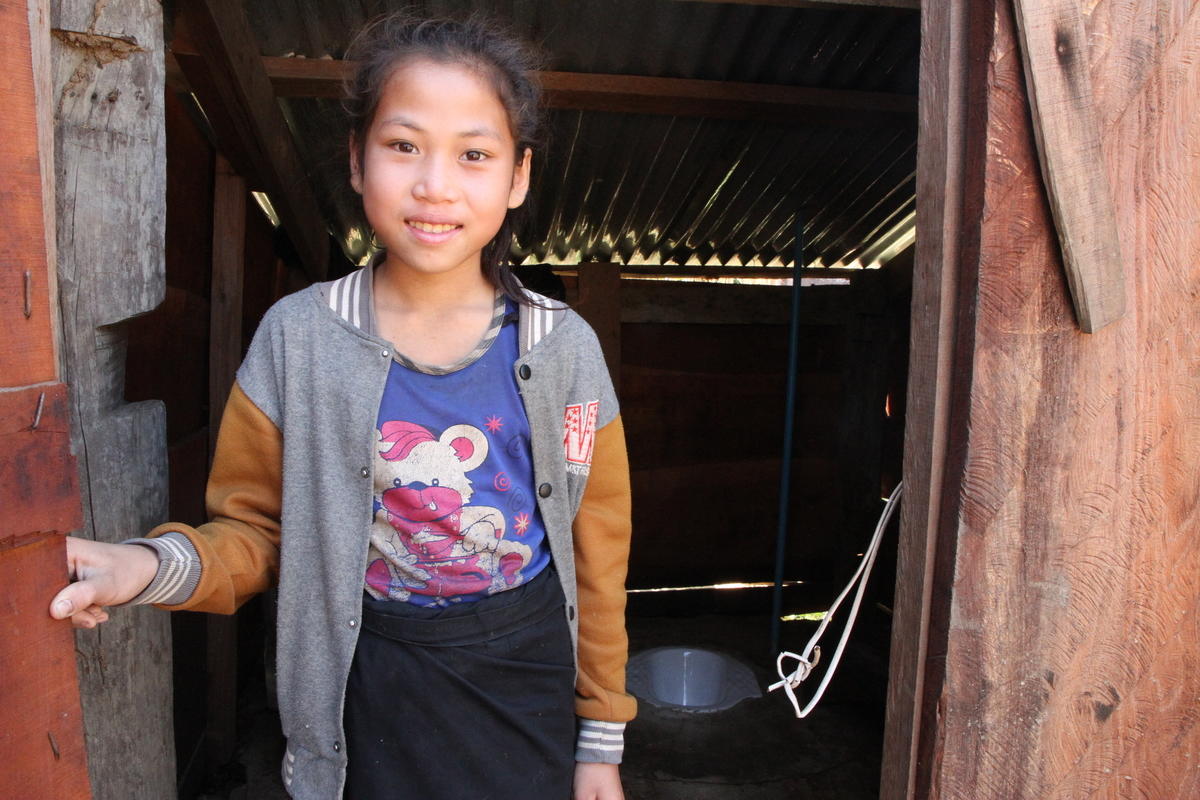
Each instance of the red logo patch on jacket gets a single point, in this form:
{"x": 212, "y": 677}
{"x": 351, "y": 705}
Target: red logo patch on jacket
{"x": 579, "y": 435}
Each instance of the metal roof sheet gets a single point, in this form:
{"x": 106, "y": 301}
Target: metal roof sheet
{"x": 657, "y": 189}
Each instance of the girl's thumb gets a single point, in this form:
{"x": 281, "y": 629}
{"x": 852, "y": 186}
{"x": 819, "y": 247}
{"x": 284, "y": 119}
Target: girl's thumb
{"x": 71, "y": 599}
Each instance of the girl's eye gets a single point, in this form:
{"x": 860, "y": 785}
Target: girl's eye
{"x": 404, "y": 147}
{"x": 474, "y": 155}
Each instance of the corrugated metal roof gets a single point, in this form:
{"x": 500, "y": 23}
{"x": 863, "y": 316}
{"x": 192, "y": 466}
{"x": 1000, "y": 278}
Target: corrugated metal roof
{"x": 658, "y": 189}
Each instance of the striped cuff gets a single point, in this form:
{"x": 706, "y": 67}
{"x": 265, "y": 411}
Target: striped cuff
{"x": 600, "y": 742}
{"x": 178, "y": 570}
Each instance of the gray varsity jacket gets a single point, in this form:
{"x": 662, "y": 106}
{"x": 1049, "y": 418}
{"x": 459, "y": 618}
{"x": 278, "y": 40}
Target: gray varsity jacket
{"x": 318, "y": 378}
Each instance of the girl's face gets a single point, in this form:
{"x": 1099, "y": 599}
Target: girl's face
{"x": 438, "y": 168}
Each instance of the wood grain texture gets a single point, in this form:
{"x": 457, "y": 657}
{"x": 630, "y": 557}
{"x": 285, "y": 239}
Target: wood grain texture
{"x": 41, "y": 731}
{"x": 43, "y": 87}
{"x": 1054, "y": 48}
{"x": 27, "y": 355}
{"x": 949, "y": 178}
{"x": 41, "y": 725}
{"x": 1074, "y": 642}
{"x": 110, "y": 177}
{"x": 39, "y": 489}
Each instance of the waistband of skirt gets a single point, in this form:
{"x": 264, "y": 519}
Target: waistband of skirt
{"x": 466, "y": 623}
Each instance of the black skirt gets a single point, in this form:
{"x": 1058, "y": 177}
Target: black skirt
{"x": 471, "y": 701}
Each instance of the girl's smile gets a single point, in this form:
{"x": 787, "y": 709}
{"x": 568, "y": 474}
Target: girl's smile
{"x": 437, "y": 169}
{"x": 432, "y": 232}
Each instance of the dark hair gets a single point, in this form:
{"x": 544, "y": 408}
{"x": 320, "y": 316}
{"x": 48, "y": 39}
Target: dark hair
{"x": 478, "y": 43}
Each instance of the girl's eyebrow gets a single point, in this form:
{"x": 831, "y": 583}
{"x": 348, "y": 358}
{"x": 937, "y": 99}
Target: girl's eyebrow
{"x": 403, "y": 122}
{"x": 483, "y": 131}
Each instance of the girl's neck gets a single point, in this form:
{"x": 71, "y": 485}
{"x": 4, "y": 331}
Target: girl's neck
{"x": 406, "y": 291}
{"x": 435, "y": 319}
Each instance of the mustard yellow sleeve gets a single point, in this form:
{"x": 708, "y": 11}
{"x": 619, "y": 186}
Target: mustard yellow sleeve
{"x": 601, "y": 532}
{"x": 239, "y": 547}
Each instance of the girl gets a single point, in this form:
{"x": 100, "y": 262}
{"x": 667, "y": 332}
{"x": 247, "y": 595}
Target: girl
{"x": 429, "y": 462}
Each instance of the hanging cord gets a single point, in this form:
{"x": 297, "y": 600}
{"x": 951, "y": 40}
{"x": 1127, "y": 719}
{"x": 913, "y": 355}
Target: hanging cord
{"x": 812, "y": 652}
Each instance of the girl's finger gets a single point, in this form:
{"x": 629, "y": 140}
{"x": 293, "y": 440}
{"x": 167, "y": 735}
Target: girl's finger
{"x": 89, "y": 617}
{"x": 82, "y": 619}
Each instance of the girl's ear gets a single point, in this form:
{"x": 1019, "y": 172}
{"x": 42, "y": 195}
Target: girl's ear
{"x": 520, "y": 183}
{"x": 355, "y": 166}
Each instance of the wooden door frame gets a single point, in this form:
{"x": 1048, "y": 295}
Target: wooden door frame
{"x": 955, "y": 38}
{"x": 41, "y": 720}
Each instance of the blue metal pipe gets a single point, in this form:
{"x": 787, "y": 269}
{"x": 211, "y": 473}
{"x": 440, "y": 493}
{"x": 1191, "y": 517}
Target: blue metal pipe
{"x": 785, "y": 472}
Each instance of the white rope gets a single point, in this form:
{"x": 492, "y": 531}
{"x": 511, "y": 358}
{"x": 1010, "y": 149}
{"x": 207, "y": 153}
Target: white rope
{"x": 812, "y": 653}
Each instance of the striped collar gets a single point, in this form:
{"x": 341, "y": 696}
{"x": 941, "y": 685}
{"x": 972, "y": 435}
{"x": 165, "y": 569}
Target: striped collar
{"x": 350, "y": 297}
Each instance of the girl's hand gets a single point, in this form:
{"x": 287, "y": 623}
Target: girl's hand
{"x": 598, "y": 782}
{"x": 103, "y": 574}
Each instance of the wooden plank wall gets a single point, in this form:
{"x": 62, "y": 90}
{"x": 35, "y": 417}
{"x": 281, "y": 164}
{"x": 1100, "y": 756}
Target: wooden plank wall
{"x": 951, "y": 152}
{"x": 702, "y": 396}
{"x": 25, "y": 319}
{"x": 1072, "y": 656}
{"x": 41, "y": 730}
{"x": 109, "y": 169}
{"x": 41, "y": 724}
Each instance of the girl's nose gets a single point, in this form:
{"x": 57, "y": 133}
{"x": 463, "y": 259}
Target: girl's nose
{"x": 435, "y": 184}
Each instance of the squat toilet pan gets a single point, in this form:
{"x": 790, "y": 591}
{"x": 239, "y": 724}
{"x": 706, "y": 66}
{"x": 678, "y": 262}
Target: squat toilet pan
{"x": 690, "y": 679}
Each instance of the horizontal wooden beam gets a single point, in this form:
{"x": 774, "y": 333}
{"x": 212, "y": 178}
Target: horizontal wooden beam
{"x": 637, "y": 94}
{"x": 686, "y": 97}
{"x": 219, "y": 57}
{"x": 914, "y": 5}
{"x": 307, "y": 77}
{"x": 655, "y": 271}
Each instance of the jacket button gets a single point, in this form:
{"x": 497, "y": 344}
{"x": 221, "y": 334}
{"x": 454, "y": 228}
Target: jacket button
{"x": 571, "y": 613}
{"x": 364, "y": 472}
{"x": 524, "y": 372}
{"x": 384, "y": 353}
{"x": 353, "y": 623}
{"x": 545, "y": 489}
{"x": 337, "y": 747}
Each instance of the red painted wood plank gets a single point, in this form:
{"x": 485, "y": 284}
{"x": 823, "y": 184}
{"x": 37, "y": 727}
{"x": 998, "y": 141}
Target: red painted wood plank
{"x": 38, "y": 478}
{"x": 41, "y": 724}
{"x": 27, "y": 353}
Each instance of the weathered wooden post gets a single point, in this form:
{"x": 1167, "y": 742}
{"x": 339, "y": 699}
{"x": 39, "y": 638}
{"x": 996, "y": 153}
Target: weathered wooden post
{"x": 110, "y": 172}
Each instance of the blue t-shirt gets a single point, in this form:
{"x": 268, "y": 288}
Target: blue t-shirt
{"x": 455, "y": 515}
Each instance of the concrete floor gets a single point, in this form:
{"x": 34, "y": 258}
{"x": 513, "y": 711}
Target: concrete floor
{"x": 756, "y": 750}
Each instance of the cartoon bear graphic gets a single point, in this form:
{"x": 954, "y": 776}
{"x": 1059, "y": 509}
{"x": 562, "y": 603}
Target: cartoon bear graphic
{"x": 426, "y": 539}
